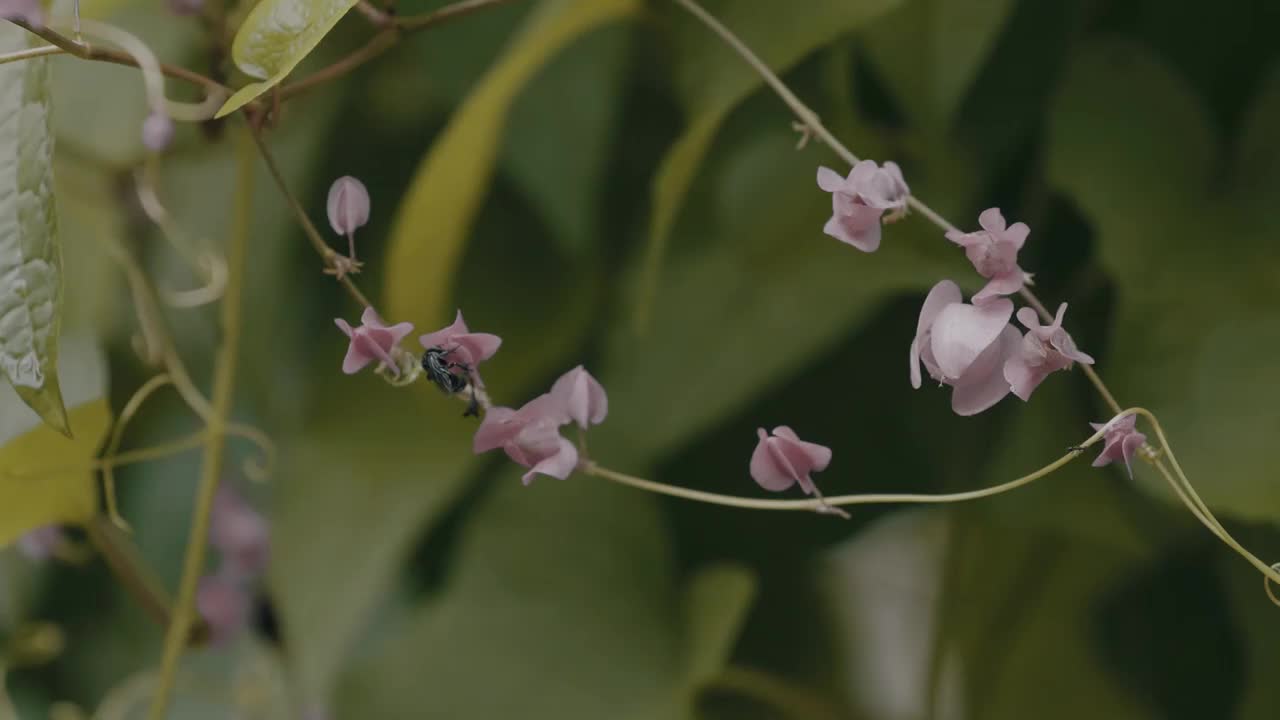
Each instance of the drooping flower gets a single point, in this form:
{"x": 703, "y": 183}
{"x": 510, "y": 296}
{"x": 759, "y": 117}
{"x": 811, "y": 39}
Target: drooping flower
{"x": 582, "y": 396}
{"x": 1121, "y": 441}
{"x": 1045, "y": 349}
{"x": 224, "y": 603}
{"x": 964, "y": 346}
{"x": 531, "y": 437}
{"x": 783, "y": 460}
{"x": 42, "y": 543}
{"x": 373, "y": 340}
{"x": 348, "y": 206}
{"x": 858, "y": 201}
{"x": 463, "y": 345}
{"x": 240, "y": 534}
{"x": 157, "y": 131}
{"x": 994, "y": 254}
{"x": 27, "y": 11}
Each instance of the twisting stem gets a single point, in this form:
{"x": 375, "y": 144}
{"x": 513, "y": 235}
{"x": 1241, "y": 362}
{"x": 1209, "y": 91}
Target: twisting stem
{"x": 810, "y": 119}
{"x": 308, "y": 228}
{"x": 117, "y": 434}
{"x": 591, "y": 468}
{"x": 389, "y": 34}
{"x": 35, "y": 52}
{"x": 211, "y": 468}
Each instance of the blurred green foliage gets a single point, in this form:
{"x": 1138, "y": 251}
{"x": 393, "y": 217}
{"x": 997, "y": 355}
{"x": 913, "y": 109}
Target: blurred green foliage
{"x": 557, "y": 167}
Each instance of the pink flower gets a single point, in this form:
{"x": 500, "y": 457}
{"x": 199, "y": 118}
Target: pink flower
{"x": 42, "y": 543}
{"x": 27, "y": 11}
{"x": 1045, "y": 348}
{"x": 240, "y": 533}
{"x": 157, "y": 131}
{"x": 582, "y": 396}
{"x": 1120, "y": 441}
{"x": 373, "y": 340}
{"x": 994, "y": 253}
{"x": 348, "y": 205}
{"x": 531, "y": 437}
{"x": 858, "y": 201}
{"x": 463, "y": 345}
{"x": 784, "y": 460}
{"x": 224, "y": 605}
{"x": 964, "y": 346}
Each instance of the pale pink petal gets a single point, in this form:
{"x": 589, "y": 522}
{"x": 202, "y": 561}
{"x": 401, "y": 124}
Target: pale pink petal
{"x": 442, "y": 338}
{"x": 962, "y": 332}
{"x": 223, "y": 605}
{"x": 770, "y": 470}
{"x": 916, "y": 380}
{"x": 356, "y": 358}
{"x": 479, "y": 346}
{"x": 991, "y": 220}
{"x": 348, "y": 205}
{"x": 829, "y": 180}
{"x": 941, "y": 295}
{"x": 399, "y": 331}
{"x": 860, "y": 227}
{"x": 1017, "y": 234}
{"x": 343, "y": 326}
{"x": 582, "y": 397}
{"x": 559, "y": 465}
{"x": 986, "y": 385}
{"x": 801, "y": 454}
{"x": 497, "y": 429}
{"x": 1005, "y": 284}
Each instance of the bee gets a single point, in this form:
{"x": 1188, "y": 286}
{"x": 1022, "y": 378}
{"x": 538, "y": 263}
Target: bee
{"x": 451, "y": 377}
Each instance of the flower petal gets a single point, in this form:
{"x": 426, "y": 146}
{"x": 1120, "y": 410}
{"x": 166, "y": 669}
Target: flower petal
{"x": 991, "y": 220}
{"x": 767, "y": 468}
{"x": 962, "y": 332}
{"x": 830, "y": 180}
{"x": 979, "y": 391}
{"x": 559, "y": 465}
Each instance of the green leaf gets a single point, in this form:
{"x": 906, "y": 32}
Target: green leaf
{"x": 930, "y": 52}
{"x": 712, "y": 80}
{"x": 558, "y": 158}
{"x": 30, "y": 256}
{"x": 275, "y": 37}
{"x": 562, "y": 605}
{"x": 435, "y": 217}
{"x": 1015, "y": 611}
{"x": 379, "y": 480}
{"x": 1189, "y": 245}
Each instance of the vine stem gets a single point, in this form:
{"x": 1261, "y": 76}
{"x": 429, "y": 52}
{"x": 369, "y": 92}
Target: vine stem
{"x": 211, "y": 467}
{"x": 810, "y": 120}
{"x": 308, "y": 228}
{"x": 590, "y": 467}
{"x": 35, "y": 52}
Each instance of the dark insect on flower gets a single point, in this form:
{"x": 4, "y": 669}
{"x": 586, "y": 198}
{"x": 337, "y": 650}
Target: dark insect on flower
{"x": 451, "y": 377}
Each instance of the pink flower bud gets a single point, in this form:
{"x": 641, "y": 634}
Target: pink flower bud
{"x": 531, "y": 437}
{"x": 994, "y": 254}
{"x": 785, "y": 460}
{"x": 1120, "y": 442}
{"x": 348, "y": 205}
{"x": 373, "y": 340}
{"x": 157, "y": 131}
{"x": 582, "y": 397}
{"x": 858, "y": 201}
{"x": 224, "y": 605}
{"x": 1045, "y": 349}
{"x": 240, "y": 533}
{"x": 964, "y": 346}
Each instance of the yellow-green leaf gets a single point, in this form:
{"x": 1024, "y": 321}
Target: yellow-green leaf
{"x": 30, "y": 256}
{"x": 46, "y": 478}
{"x": 435, "y": 218}
{"x": 275, "y": 37}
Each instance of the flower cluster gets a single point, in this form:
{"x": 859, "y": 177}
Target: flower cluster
{"x": 243, "y": 540}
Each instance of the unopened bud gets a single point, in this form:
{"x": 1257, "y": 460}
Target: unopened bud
{"x": 348, "y": 205}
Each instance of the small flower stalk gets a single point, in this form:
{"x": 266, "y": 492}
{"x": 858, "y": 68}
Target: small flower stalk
{"x": 859, "y": 200}
{"x": 348, "y": 209}
{"x": 782, "y": 459}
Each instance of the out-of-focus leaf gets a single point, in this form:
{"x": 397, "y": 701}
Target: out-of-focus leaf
{"x": 760, "y": 295}
{"x": 712, "y": 80}
{"x": 30, "y": 256}
{"x": 89, "y": 218}
{"x": 242, "y": 680}
{"x": 557, "y": 157}
{"x": 274, "y": 37}
{"x": 1257, "y": 622}
{"x": 46, "y": 478}
{"x": 1189, "y": 245}
{"x": 717, "y": 601}
{"x": 930, "y": 51}
{"x": 563, "y": 605}
{"x": 434, "y": 221}
{"x": 1011, "y": 601}
{"x": 355, "y": 488}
